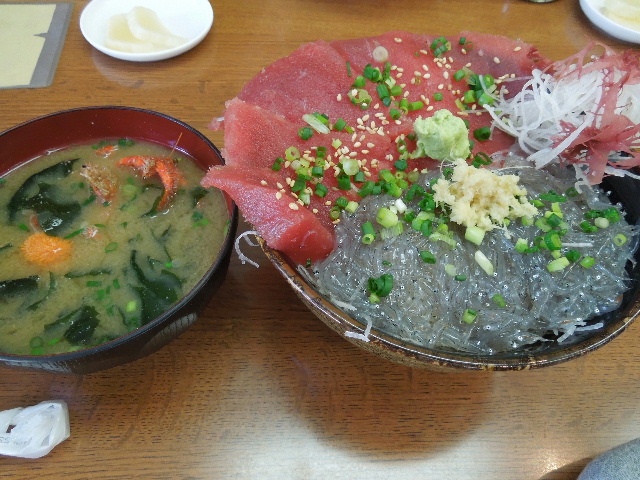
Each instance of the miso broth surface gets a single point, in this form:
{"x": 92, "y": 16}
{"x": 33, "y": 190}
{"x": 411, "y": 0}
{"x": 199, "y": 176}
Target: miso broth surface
{"x": 129, "y": 262}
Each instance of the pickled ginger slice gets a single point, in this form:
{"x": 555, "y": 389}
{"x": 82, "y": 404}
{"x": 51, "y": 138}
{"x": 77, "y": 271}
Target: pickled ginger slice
{"x": 119, "y": 37}
{"x": 145, "y": 25}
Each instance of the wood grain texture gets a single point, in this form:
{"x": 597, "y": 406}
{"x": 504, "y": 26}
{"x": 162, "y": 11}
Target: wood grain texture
{"x": 261, "y": 389}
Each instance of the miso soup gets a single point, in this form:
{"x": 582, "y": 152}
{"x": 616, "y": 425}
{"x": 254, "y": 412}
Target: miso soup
{"x": 98, "y": 240}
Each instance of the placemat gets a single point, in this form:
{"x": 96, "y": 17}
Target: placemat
{"x": 31, "y": 39}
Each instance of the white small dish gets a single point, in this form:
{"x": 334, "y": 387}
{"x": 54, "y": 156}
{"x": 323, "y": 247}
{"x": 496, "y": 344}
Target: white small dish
{"x": 593, "y": 9}
{"x": 191, "y": 19}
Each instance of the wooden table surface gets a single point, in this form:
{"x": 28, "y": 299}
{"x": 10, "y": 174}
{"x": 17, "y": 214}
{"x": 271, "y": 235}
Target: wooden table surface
{"x": 259, "y": 388}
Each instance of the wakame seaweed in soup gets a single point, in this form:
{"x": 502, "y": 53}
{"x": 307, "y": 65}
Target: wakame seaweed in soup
{"x": 98, "y": 240}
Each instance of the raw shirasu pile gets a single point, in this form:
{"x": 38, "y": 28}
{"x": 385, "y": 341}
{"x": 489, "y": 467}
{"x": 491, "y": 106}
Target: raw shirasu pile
{"x": 426, "y": 304}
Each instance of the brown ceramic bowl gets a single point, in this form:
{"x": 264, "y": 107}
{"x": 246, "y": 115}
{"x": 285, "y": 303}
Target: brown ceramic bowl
{"x": 624, "y": 190}
{"x": 84, "y": 125}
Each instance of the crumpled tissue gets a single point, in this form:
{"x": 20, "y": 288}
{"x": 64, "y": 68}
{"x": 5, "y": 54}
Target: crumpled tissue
{"x": 36, "y": 429}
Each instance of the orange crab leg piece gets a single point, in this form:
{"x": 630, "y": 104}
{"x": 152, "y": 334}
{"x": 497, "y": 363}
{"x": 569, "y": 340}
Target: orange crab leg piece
{"x": 103, "y": 182}
{"x": 164, "y": 167}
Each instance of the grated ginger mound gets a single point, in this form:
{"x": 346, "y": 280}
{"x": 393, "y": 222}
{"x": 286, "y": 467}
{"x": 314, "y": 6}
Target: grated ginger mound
{"x": 478, "y": 197}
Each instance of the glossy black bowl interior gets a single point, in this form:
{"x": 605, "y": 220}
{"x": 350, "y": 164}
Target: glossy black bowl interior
{"x": 34, "y": 138}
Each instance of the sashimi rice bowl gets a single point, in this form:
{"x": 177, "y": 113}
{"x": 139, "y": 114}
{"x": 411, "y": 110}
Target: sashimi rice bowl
{"x": 445, "y": 202}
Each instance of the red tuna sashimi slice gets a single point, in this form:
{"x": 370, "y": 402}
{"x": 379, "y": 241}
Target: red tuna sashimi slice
{"x": 295, "y": 231}
{"x": 256, "y": 137}
{"x": 307, "y": 81}
{"x": 424, "y": 76}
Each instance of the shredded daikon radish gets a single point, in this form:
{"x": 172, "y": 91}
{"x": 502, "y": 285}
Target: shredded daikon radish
{"x": 584, "y": 113}
{"x": 243, "y": 258}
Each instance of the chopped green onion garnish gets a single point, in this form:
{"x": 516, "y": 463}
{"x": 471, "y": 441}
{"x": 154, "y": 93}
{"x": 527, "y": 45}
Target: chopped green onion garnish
{"x": 474, "y": 235}
{"x": 572, "y": 192}
{"x": 552, "y": 241}
{"x": 386, "y": 217}
{"x": 401, "y": 164}
{"x": 111, "y": 247}
{"x": 351, "y": 207}
{"x": 74, "y": 233}
{"x": 587, "y": 227}
{"x": 292, "y": 153}
{"x": 521, "y": 245}
{"x": 339, "y": 125}
{"x": 558, "y": 264}
{"x": 499, "y": 300}
{"x": 305, "y": 133}
{"x": 620, "y": 239}
{"x": 367, "y": 188}
{"x": 359, "y": 177}
{"x": 572, "y": 255}
{"x": 469, "y": 316}
{"x": 481, "y": 134}
{"x": 344, "y": 182}
{"x": 381, "y": 286}
{"x": 427, "y": 257}
{"x": 612, "y": 214}
{"x": 588, "y": 262}
{"x": 321, "y": 190}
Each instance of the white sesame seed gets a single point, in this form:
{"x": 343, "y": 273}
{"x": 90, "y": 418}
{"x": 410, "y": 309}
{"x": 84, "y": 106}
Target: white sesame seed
{"x": 496, "y": 60}
{"x": 339, "y": 97}
{"x": 357, "y": 145}
{"x": 446, "y": 75}
{"x": 370, "y": 145}
{"x": 441, "y": 86}
{"x": 279, "y": 185}
{"x": 517, "y": 49}
{"x": 397, "y": 40}
{"x": 263, "y": 183}
{"x": 315, "y": 210}
{"x": 278, "y": 195}
{"x": 293, "y": 206}
{"x": 365, "y": 152}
